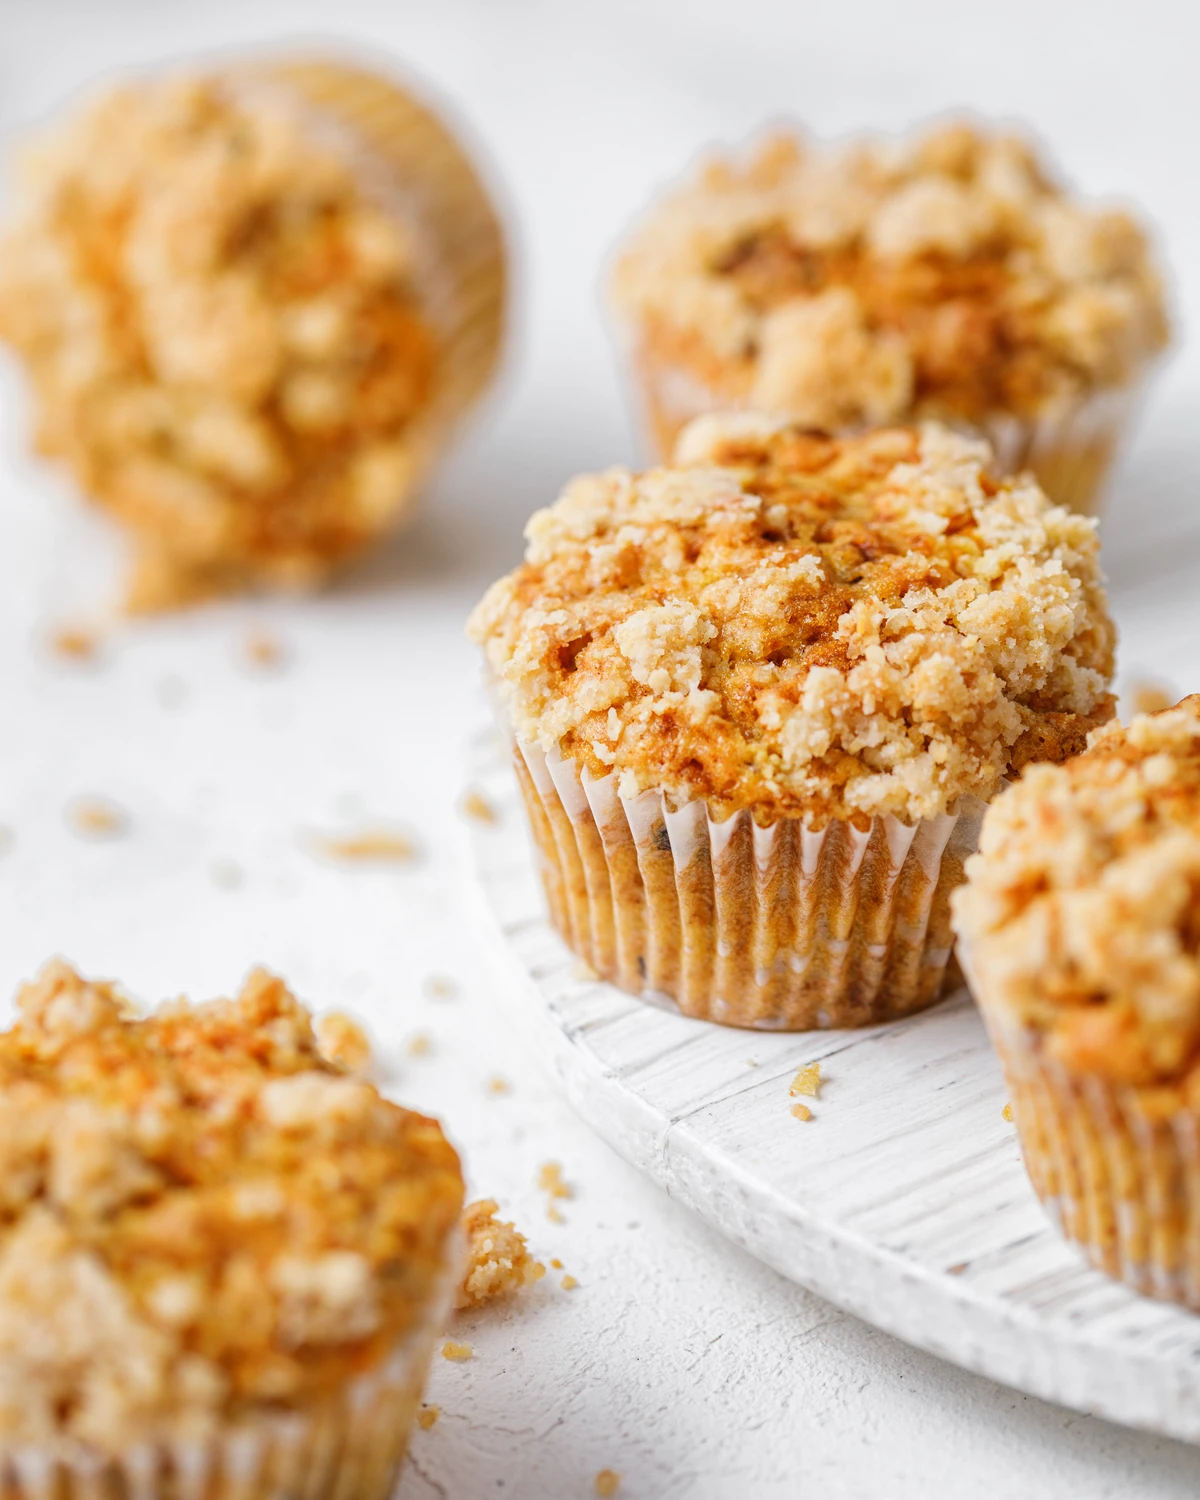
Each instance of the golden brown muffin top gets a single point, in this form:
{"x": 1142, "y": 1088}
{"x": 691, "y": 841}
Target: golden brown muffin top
{"x": 943, "y": 275}
{"x": 216, "y": 292}
{"x": 805, "y": 626}
{"x": 1082, "y": 908}
{"x": 199, "y": 1216}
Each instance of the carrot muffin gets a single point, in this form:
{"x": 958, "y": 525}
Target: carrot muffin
{"x": 760, "y": 698}
{"x": 252, "y": 303}
{"x": 1079, "y": 929}
{"x": 223, "y": 1261}
{"x": 945, "y": 276}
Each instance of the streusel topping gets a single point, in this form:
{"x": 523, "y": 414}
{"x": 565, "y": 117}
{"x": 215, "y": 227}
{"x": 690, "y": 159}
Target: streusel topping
{"x": 805, "y": 626}
{"x": 199, "y": 1216}
{"x": 219, "y": 311}
{"x": 941, "y": 276}
{"x": 1082, "y": 908}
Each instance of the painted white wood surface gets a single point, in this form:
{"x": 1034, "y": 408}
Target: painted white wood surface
{"x": 903, "y": 1200}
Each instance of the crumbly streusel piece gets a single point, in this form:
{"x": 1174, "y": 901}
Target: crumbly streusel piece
{"x": 201, "y": 1217}
{"x": 805, "y": 626}
{"x": 498, "y": 1258}
{"x": 218, "y": 306}
{"x": 943, "y": 275}
{"x": 1082, "y": 907}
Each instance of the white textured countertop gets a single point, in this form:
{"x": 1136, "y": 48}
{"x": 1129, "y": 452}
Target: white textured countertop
{"x": 678, "y": 1361}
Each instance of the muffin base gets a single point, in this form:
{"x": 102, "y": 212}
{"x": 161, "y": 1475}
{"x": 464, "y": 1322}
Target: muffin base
{"x": 780, "y": 928}
{"x": 1071, "y": 454}
{"x": 350, "y": 1447}
{"x": 1117, "y": 1168}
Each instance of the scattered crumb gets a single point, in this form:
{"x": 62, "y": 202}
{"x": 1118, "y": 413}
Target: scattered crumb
{"x": 607, "y": 1483}
{"x": 499, "y": 1085}
{"x": 802, "y": 1111}
{"x": 373, "y": 845}
{"x": 420, "y": 1045}
{"x": 751, "y": 1063}
{"x": 1152, "y": 697}
{"x": 550, "y": 1180}
{"x": 170, "y": 691}
{"x": 582, "y": 970}
{"x": 1007, "y": 1112}
{"x": 75, "y": 642}
{"x": 343, "y": 1041}
{"x": 440, "y": 987}
{"x": 958, "y": 1269}
{"x": 97, "y": 818}
{"x": 476, "y": 805}
{"x": 569, "y": 1283}
{"x": 555, "y": 1216}
{"x": 451, "y": 1350}
{"x": 556, "y": 1264}
{"x": 428, "y": 1415}
{"x": 807, "y": 1081}
{"x": 262, "y": 649}
{"x": 226, "y": 874}
{"x": 498, "y": 1258}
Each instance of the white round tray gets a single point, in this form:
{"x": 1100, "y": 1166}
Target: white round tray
{"x": 903, "y": 1200}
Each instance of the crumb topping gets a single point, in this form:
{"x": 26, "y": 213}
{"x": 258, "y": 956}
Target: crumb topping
{"x": 199, "y": 1216}
{"x": 498, "y": 1258}
{"x": 805, "y": 626}
{"x": 943, "y": 276}
{"x": 1082, "y": 908}
{"x": 220, "y": 318}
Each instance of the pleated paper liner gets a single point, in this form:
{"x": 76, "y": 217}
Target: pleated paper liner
{"x": 350, "y": 1447}
{"x": 461, "y": 270}
{"x": 780, "y": 928}
{"x": 1117, "y": 1168}
{"x": 1071, "y": 454}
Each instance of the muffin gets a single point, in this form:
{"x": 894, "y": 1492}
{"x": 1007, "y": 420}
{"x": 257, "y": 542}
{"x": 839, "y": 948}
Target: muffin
{"x": 252, "y": 304}
{"x": 760, "y": 698}
{"x": 945, "y": 276}
{"x": 223, "y": 1261}
{"x": 1079, "y": 929}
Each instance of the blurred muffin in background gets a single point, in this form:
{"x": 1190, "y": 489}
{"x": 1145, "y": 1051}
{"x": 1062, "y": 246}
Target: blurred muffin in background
{"x": 760, "y": 698}
{"x": 252, "y": 304}
{"x": 224, "y": 1262}
{"x": 1079, "y": 931}
{"x": 944, "y": 276}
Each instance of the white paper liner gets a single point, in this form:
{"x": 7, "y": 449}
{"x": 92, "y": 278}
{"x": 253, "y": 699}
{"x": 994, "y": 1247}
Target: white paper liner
{"x": 1071, "y": 452}
{"x": 349, "y": 1448}
{"x": 780, "y": 928}
{"x": 1117, "y": 1168}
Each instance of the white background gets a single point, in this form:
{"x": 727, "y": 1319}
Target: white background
{"x": 678, "y": 1361}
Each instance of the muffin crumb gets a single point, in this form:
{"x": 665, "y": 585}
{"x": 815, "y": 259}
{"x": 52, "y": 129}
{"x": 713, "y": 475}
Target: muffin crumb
{"x": 498, "y": 1086}
{"x": 498, "y": 1260}
{"x": 807, "y": 1081}
{"x": 420, "y": 1044}
{"x": 802, "y": 1112}
{"x": 457, "y": 1352}
{"x": 440, "y": 987}
{"x": 428, "y": 1415}
{"x": 262, "y": 649}
{"x": 607, "y": 1483}
{"x": 97, "y": 818}
{"x": 1006, "y": 1113}
{"x": 475, "y": 805}
{"x": 568, "y": 1283}
{"x": 75, "y": 643}
{"x": 371, "y": 846}
{"x": 550, "y": 1180}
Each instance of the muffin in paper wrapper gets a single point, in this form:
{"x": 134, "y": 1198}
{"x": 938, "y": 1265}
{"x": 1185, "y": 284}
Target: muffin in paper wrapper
{"x": 780, "y": 928}
{"x": 350, "y": 1447}
{"x": 1117, "y": 1167}
{"x": 1071, "y": 453}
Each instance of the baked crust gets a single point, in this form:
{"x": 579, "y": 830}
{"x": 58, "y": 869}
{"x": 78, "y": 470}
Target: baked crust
{"x": 1082, "y": 908}
{"x": 200, "y": 1218}
{"x": 943, "y": 276}
{"x": 804, "y": 626}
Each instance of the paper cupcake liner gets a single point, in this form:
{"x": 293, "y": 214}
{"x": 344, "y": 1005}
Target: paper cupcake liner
{"x": 1117, "y": 1168}
{"x": 782, "y": 928}
{"x": 348, "y": 1448}
{"x": 411, "y": 163}
{"x": 1071, "y": 454}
